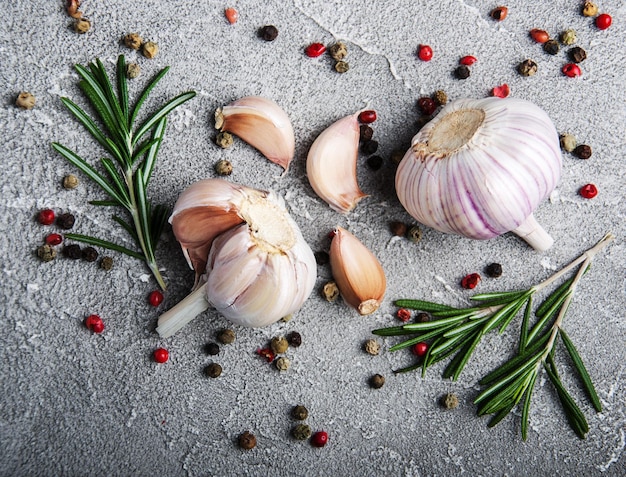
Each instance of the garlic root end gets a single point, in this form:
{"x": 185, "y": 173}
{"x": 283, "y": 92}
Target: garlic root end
{"x": 534, "y": 234}
{"x": 182, "y": 313}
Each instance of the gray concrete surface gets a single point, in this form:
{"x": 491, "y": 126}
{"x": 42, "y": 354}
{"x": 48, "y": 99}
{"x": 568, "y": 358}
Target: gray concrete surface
{"x": 74, "y": 403}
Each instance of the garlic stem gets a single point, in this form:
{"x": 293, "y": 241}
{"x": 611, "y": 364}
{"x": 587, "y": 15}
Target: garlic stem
{"x": 534, "y": 234}
{"x": 182, "y": 313}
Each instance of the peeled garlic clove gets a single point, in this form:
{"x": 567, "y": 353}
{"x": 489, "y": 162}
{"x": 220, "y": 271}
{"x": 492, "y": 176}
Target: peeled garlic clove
{"x": 258, "y": 266}
{"x": 480, "y": 168}
{"x": 262, "y": 124}
{"x": 331, "y": 164}
{"x": 357, "y": 272}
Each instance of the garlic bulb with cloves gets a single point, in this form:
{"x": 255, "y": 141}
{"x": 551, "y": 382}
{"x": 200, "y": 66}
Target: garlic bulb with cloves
{"x": 261, "y": 123}
{"x": 358, "y": 273}
{"x": 480, "y": 168}
{"x": 331, "y": 164}
{"x": 251, "y": 261}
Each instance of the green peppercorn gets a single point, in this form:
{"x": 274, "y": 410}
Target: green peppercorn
{"x": 440, "y": 97}
{"x": 414, "y": 234}
{"x": 226, "y": 336}
{"x": 279, "y": 344}
{"x": 132, "y": 70}
{"x": 150, "y": 49}
{"x": 213, "y": 370}
{"x": 342, "y": 66}
{"x": 70, "y": 181}
{"x": 589, "y": 9}
{"x": 527, "y": 68}
{"x": 106, "y": 263}
{"x": 25, "y": 100}
{"x": 282, "y": 363}
{"x": 224, "y": 139}
{"x": 338, "y": 51}
{"x": 568, "y": 37}
{"x": 377, "y": 381}
{"x": 132, "y": 41}
{"x": 330, "y": 291}
{"x": 224, "y": 167}
{"x": 299, "y": 412}
{"x": 82, "y": 25}
{"x": 449, "y": 401}
{"x": 372, "y": 347}
{"x": 568, "y": 142}
{"x": 46, "y": 253}
{"x": 301, "y": 432}
{"x": 551, "y": 47}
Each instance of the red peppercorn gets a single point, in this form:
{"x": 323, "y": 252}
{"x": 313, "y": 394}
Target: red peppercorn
{"x": 161, "y": 355}
{"x": 588, "y": 191}
{"x": 425, "y": 53}
{"x": 540, "y": 36}
{"x": 155, "y": 298}
{"x": 468, "y": 60}
{"x": 46, "y": 217}
{"x": 403, "y": 314}
{"x": 232, "y": 15}
{"x": 426, "y": 105}
{"x": 266, "y": 353}
{"x": 420, "y": 349}
{"x": 314, "y": 50}
{"x": 470, "y": 281}
{"x": 368, "y": 116}
{"x": 54, "y": 239}
{"x": 571, "y": 70}
{"x": 501, "y": 91}
{"x": 94, "y": 323}
{"x": 603, "y": 21}
{"x": 319, "y": 439}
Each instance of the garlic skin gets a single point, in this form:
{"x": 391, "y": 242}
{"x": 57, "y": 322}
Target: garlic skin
{"x": 331, "y": 164}
{"x": 261, "y": 123}
{"x": 257, "y": 267}
{"x": 357, "y": 272}
{"x": 480, "y": 168}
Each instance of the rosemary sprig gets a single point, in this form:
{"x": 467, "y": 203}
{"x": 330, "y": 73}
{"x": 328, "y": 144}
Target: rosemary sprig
{"x": 456, "y": 332}
{"x": 133, "y": 155}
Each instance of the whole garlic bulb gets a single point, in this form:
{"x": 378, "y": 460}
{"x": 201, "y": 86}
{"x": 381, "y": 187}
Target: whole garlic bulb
{"x": 252, "y": 263}
{"x": 480, "y": 168}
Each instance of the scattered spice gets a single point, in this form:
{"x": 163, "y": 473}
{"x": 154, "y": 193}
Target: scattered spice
{"x": 247, "y": 440}
{"x": 132, "y": 41}
{"x": 212, "y": 349}
{"x": 321, "y": 257}
{"x": 46, "y": 253}
{"x": 398, "y": 228}
{"x": 470, "y": 281}
{"x": 150, "y": 49}
{"x": 338, "y": 51}
{"x": 72, "y": 251}
{"x": 232, "y": 15}
{"x": 462, "y": 72}
{"x": 468, "y": 60}
{"x": 94, "y": 323}
{"x": 89, "y": 254}
{"x": 299, "y": 412}
{"x": 527, "y": 68}
{"x": 377, "y": 381}
{"x": 70, "y": 181}
{"x": 282, "y": 363}
{"x": 66, "y": 221}
{"x": 53, "y": 239}
{"x": 330, "y": 291}
{"x": 499, "y": 13}
{"x": 568, "y": 37}
{"x": 82, "y": 25}
{"x": 268, "y": 32}
{"x": 551, "y": 47}
{"x": 314, "y": 50}
{"x": 603, "y": 21}
{"x": 588, "y": 191}
{"x": 568, "y": 142}
{"x": 25, "y": 100}
{"x": 224, "y": 139}
{"x": 440, "y": 97}
{"x": 365, "y": 133}
{"x": 374, "y": 162}
{"x": 368, "y": 116}
{"x": 494, "y": 270}
{"x": 425, "y": 53}
{"x": 403, "y": 314}
{"x": 501, "y": 91}
{"x": 213, "y": 370}
{"x": 301, "y": 432}
{"x": 226, "y": 336}
{"x": 420, "y": 349}
{"x": 294, "y": 339}
{"x": 279, "y": 344}
{"x": 414, "y": 234}
{"x": 106, "y": 263}
{"x": 342, "y": 67}
{"x": 46, "y": 216}
{"x": 372, "y": 347}
{"x": 577, "y": 54}
{"x": 571, "y": 70}
{"x": 589, "y": 9}
{"x": 132, "y": 70}
{"x": 161, "y": 355}
{"x": 319, "y": 439}
{"x": 224, "y": 167}
{"x": 540, "y": 36}
{"x": 369, "y": 147}
{"x": 266, "y": 353}
{"x": 426, "y": 105}
{"x": 449, "y": 401}
{"x": 583, "y": 151}
{"x": 422, "y": 317}
{"x": 155, "y": 298}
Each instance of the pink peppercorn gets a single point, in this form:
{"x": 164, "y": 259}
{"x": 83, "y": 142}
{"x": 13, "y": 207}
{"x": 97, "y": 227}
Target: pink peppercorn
{"x": 420, "y": 349}
{"x": 46, "y": 217}
{"x": 501, "y": 91}
{"x": 155, "y": 298}
{"x": 403, "y": 315}
{"x": 603, "y": 21}
{"x": 314, "y": 50}
{"x": 468, "y": 60}
{"x": 94, "y": 323}
{"x": 367, "y": 117}
{"x": 161, "y": 355}
{"x": 470, "y": 281}
{"x": 425, "y": 53}
{"x": 571, "y": 70}
{"x": 588, "y": 191}
{"x": 319, "y": 439}
{"x": 54, "y": 239}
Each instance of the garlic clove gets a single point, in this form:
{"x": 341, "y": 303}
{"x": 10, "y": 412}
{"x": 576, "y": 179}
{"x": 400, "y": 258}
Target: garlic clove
{"x": 357, "y": 272}
{"x": 261, "y": 123}
{"x": 331, "y": 164}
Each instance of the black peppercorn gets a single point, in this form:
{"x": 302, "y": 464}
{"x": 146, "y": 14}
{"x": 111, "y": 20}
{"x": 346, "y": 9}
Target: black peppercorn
{"x": 294, "y": 338}
{"x": 582, "y": 151}
{"x": 268, "y": 32}
{"x": 247, "y": 440}
{"x": 72, "y": 251}
{"x": 375, "y": 162}
{"x": 66, "y": 221}
{"x": 365, "y": 133}
{"x": 527, "y": 68}
{"x": 299, "y": 412}
{"x": 369, "y": 147}
{"x": 301, "y": 432}
{"x": 398, "y": 228}
{"x": 377, "y": 381}
{"x": 212, "y": 349}
{"x": 551, "y": 47}
{"x": 89, "y": 254}
{"x": 213, "y": 370}
{"x": 321, "y": 257}
{"x": 577, "y": 54}
{"x": 462, "y": 72}
{"x": 422, "y": 317}
{"x": 493, "y": 270}
{"x": 226, "y": 336}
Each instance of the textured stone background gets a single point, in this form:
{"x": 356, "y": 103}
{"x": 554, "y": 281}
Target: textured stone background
{"x": 74, "y": 403}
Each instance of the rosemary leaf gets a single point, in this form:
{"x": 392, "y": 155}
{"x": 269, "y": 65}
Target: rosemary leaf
{"x": 122, "y": 87}
{"x": 523, "y": 337}
{"x": 543, "y": 320}
{"x": 526, "y": 406}
{"x": 499, "y": 298}
{"x": 582, "y": 371}
{"x": 575, "y": 417}
{"x": 555, "y": 296}
{"x": 427, "y": 306}
{"x": 104, "y": 244}
{"x": 460, "y": 360}
{"x": 146, "y": 92}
